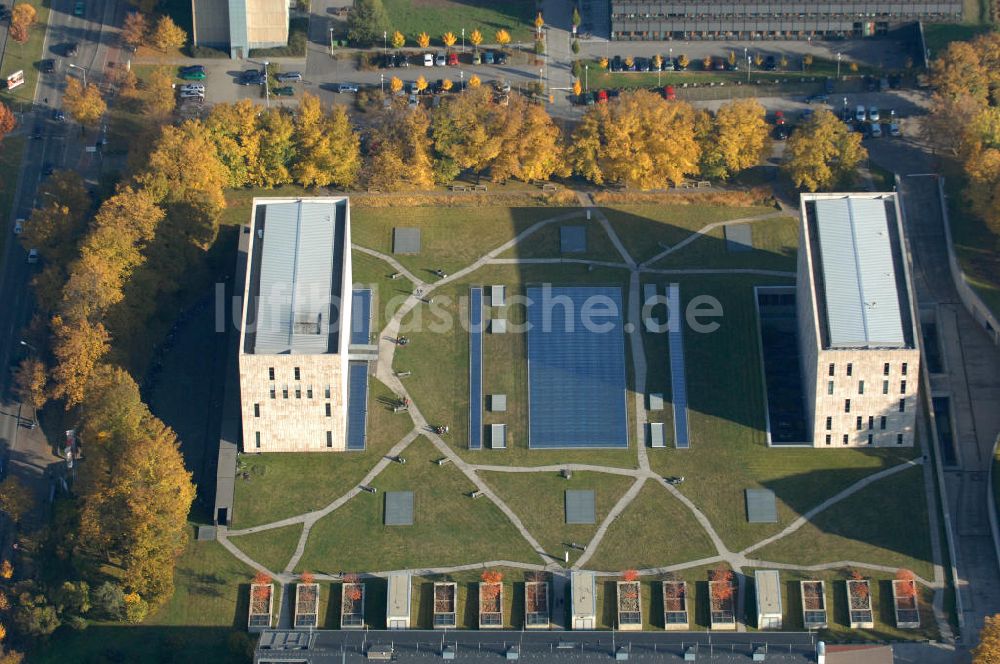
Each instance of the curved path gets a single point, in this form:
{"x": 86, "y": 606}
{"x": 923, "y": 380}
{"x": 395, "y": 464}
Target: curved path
{"x": 384, "y": 372}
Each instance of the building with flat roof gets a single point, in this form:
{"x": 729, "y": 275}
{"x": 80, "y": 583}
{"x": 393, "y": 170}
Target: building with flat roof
{"x": 236, "y": 26}
{"x": 858, "y": 333}
{"x": 771, "y": 19}
{"x": 293, "y": 356}
{"x": 767, "y": 587}
{"x": 583, "y": 599}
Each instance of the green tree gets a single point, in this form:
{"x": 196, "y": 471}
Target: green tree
{"x": 108, "y": 601}
{"x": 33, "y": 616}
{"x": 576, "y": 20}
{"x": 822, "y": 152}
{"x": 367, "y": 21}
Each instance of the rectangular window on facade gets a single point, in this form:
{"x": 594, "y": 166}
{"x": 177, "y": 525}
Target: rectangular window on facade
{"x": 850, "y": 368}
{"x": 871, "y": 422}
{"x": 847, "y": 405}
{"x": 298, "y": 392}
{"x": 902, "y": 369}
{"x": 326, "y": 392}
{"x": 845, "y": 439}
{"x": 828, "y": 439}
{"x": 881, "y": 424}
{"x": 273, "y": 392}
{"x": 829, "y": 423}
{"x": 298, "y": 374}
{"x": 902, "y": 387}
{"x": 885, "y": 387}
{"x": 270, "y": 373}
{"x": 885, "y": 369}
{"x": 309, "y": 392}
{"x": 861, "y": 387}
{"x": 256, "y": 410}
{"x": 256, "y": 436}
{"x": 902, "y": 405}
{"x": 899, "y": 439}
{"x": 329, "y": 439}
{"x": 832, "y": 367}
{"x": 284, "y": 391}
{"x": 858, "y": 423}
{"x": 871, "y": 438}
{"x": 829, "y": 387}
{"x": 328, "y": 410}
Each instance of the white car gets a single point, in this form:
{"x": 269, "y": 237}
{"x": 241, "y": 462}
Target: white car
{"x": 859, "y": 114}
{"x": 428, "y": 60}
{"x": 192, "y": 87}
{"x": 18, "y": 226}
{"x": 33, "y": 256}
{"x": 873, "y": 114}
{"x": 192, "y": 94}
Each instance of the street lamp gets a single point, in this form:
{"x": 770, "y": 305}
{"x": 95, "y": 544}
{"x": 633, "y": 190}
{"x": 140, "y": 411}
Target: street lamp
{"x": 461, "y": 85}
{"x": 84, "y": 70}
{"x": 838, "y": 66}
{"x": 463, "y": 40}
{"x": 385, "y": 42}
{"x": 267, "y": 87}
{"x": 586, "y": 78}
{"x": 381, "y": 79}
{"x": 28, "y": 346}
{"x": 844, "y": 115}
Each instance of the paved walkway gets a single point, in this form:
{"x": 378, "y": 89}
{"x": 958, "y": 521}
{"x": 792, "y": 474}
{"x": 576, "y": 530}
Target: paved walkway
{"x": 384, "y": 371}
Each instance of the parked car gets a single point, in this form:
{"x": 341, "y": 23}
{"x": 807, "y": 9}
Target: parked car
{"x": 875, "y": 129}
{"x": 770, "y": 64}
{"x": 828, "y": 86}
{"x": 779, "y": 118}
{"x": 678, "y": 66}
{"x": 78, "y": 8}
{"x": 477, "y": 58}
{"x": 616, "y": 63}
{"x": 859, "y": 113}
{"x": 251, "y": 77}
{"x": 488, "y": 58}
{"x": 440, "y": 60}
{"x": 453, "y": 59}
{"x": 18, "y": 226}
{"x": 718, "y": 64}
{"x": 33, "y": 256}
{"x": 400, "y": 60}
{"x": 589, "y": 98}
{"x": 817, "y": 99}
{"x": 873, "y": 113}
{"x": 192, "y": 94}
{"x": 669, "y": 94}
{"x": 72, "y": 50}
{"x": 602, "y": 95}
{"x": 192, "y": 73}
{"x": 807, "y": 115}
{"x": 286, "y": 91}
{"x": 781, "y": 132}
{"x": 502, "y": 86}
{"x": 894, "y": 130}
{"x": 500, "y": 58}
{"x": 413, "y": 102}
{"x": 614, "y": 93}
{"x": 642, "y": 64}
{"x": 428, "y": 59}
{"x": 347, "y": 87}
{"x": 894, "y": 81}
{"x": 48, "y": 66}
{"x": 288, "y": 77}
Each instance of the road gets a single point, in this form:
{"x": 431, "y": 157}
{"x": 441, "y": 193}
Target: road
{"x": 60, "y": 145}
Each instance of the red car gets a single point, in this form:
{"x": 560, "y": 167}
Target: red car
{"x": 453, "y": 59}
{"x": 779, "y": 118}
{"x": 669, "y": 94}
{"x": 602, "y": 95}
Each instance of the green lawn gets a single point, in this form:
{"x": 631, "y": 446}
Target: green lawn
{"x": 937, "y": 36}
{"x": 646, "y": 230}
{"x": 775, "y": 242}
{"x": 885, "y": 523}
{"x": 11, "y": 153}
{"x": 284, "y": 484}
{"x": 271, "y": 548}
{"x": 438, "y": 356}
{"x": 728, "y": 449}
{"x": 239, "y": 201}
{"x": 412, "y": 17}
{"x": 655, "y": 530}
{"x": 651, "y": 598}
{"x": 539, "y": 500}
{"x": 368, "y": 271}
{"x": 25, "y": 57}
{"x": 451, "y": 237}
{"x": 545, "y": 243}
{"x": 449, "y": 527}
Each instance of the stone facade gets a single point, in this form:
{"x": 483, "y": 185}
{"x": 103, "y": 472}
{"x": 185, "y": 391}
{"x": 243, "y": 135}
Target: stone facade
{"x": 854, "y": 397}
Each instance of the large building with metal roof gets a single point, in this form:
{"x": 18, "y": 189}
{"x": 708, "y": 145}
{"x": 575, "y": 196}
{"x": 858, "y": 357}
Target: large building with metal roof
{"x": 293, "y": 356}
{"x": 857, "y": 328}
{"x": 771, "y": 19}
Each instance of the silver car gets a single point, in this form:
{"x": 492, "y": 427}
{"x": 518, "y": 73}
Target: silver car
{"x": 289, "y": 77}
{"x": 439, "y": 60}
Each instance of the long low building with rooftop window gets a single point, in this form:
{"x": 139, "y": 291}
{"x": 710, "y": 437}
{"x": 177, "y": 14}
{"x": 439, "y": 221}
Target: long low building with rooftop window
{"x": 857, "y": 328}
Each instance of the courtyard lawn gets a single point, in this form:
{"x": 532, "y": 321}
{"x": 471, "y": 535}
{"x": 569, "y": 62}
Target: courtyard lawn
{"x": 239, "y": 201}
{"x": 539, "y": 500}
{"x": 450, "y": 528}
{"x": 451, "y": 237}
{"x": 545, "y": 243}
{"x": 285, "y": 484}
{"x": 271, "y": 548}
{"x": 884, "y": 523}
{"x": 655, "y": 530}
{"x": 775, "y": 242}
{"x": 836, "y": 607}
{"x": 652, "y": 599}
{"x": 374, "y": 273}
{"x": 435, "y": 17}
{"x": 728, "y": 447}
{"x": 467, "y": 596}
{"x": 646, "y": 230}
{"x": 438, "y": 356}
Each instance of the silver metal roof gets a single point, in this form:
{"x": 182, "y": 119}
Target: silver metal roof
{"x": 296, "y": 278}
{"x": 862, "y": 295}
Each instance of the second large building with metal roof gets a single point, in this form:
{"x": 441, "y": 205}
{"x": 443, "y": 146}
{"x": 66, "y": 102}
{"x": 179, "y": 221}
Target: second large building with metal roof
{"x": 857, "y": 328}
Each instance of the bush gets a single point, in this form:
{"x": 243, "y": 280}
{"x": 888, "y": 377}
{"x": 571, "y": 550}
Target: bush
{"x": 575, "y": 46}
{"x": 540, "y": 47}
{"x": 202, "y": 52}
{"x": 108, "y": 601}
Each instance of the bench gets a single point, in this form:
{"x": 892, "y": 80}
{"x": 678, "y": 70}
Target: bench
{"x": 458, "y": 187}
{"x": 479, "y": 187}
{"x": 548, "y": 186}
